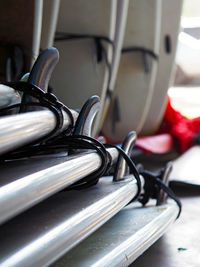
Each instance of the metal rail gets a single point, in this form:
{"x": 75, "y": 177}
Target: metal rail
{"x": 43, "y": 234}
{"x": 123, "y": 238}
{"x": 21, "y": 129}
{"x": 27, "y": 191}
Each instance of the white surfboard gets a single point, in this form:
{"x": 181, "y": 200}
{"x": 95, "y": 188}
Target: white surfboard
{"x": 121, "y": 19}
{"x": 78, "y": 75}
{"x": 21, "y": 25}
{"x": 37, "y": 28}
{"x": 49, "y": 22}
{"x": 134, "y": 86}
{"x": 170, "y": 26}
{"x": 186, "y": 168}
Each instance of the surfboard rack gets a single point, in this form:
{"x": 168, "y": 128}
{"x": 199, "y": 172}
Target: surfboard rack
{"x": 42, "y": 216}
{"x": 21, "y": 129}
{"x": 50, "y": 229}
{"x": 55, "y": 221}
{"x": 53, "y": 176}
{"x": 76, "y": 214}
{"x": 122, "y": 239}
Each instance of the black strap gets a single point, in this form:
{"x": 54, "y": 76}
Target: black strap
{"x": 152, "y": 187}
{"x": 145, "y": 52}
{"x": 132, "y": 167}
{"x": 168, "y": 44}
{"x": 85, "y": 142}
{"x": 116, "y": 114}
{"x": 63, "y": 36}
{"x": 45, "y": 100}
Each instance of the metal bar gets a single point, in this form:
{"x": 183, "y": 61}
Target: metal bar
{"x": 27, "y": 191}
{"x": 122, "y": 169}
{"x": 42, "y": 69}
{"x": 18, "y": 130}
{"x": 8, "y": 96}
{"x": 43, "y": 234}
{"x": 123, "y": 238}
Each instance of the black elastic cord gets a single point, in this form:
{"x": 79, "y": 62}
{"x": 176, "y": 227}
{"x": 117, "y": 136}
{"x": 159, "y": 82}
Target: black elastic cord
{"x": 140, "y": 49}
{"x": 46, "y": 100}
{"x": 85, "y": 143}
{"x": 152, "y": 187}
{"x": 132, "y": 167}
{"x": 63, "y": 36}
{"x": 144, "y": 51}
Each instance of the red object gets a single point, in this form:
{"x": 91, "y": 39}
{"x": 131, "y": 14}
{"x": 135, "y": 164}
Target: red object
{"x": 185, "y": 133}
{"x": 159, "y": 144}
{"x": 182, "y": 129}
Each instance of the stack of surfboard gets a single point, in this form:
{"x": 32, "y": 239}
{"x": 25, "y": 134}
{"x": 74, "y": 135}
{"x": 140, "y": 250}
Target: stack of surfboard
{"x": 40, "y": 223}
{"x": 137, "y": 91}
{"x": 88, "y": 66}
{"x": 143, "y": 78}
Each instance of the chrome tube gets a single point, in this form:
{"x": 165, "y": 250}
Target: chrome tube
{"x": 53, "y": 227}
{"x": 123, "y": 238}
{"x": 21, "y": 129}
{"x": 27, "y": 191}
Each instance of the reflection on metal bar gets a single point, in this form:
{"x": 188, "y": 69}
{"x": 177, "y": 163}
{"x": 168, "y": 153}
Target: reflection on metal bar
{"x": 27, "y": 191}
{"x": 123, "y": 238}
{"x": 18, "y": 130}
{"x": 42, "y": 69}
{"x": 121, "y": 168}
{"x": 8, "y": 96}
{"x": 44, "y": 233}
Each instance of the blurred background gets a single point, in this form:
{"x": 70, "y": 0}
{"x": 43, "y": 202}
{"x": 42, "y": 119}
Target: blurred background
{"x": 185, "y": 94}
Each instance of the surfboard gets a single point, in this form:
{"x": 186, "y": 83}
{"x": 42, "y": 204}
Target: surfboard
{"x": 170, "y": 26}
{"x": 121, "y": 18}
{"x": 137, "y": 70}
{"x": 188, "y": 46}
{"x": 21, "y": 25}
{"x": 37, "y": 28}
{"x": 49, "y": 22}
{"x": 82, "y": 70}
{"x": 185, "y": 168}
